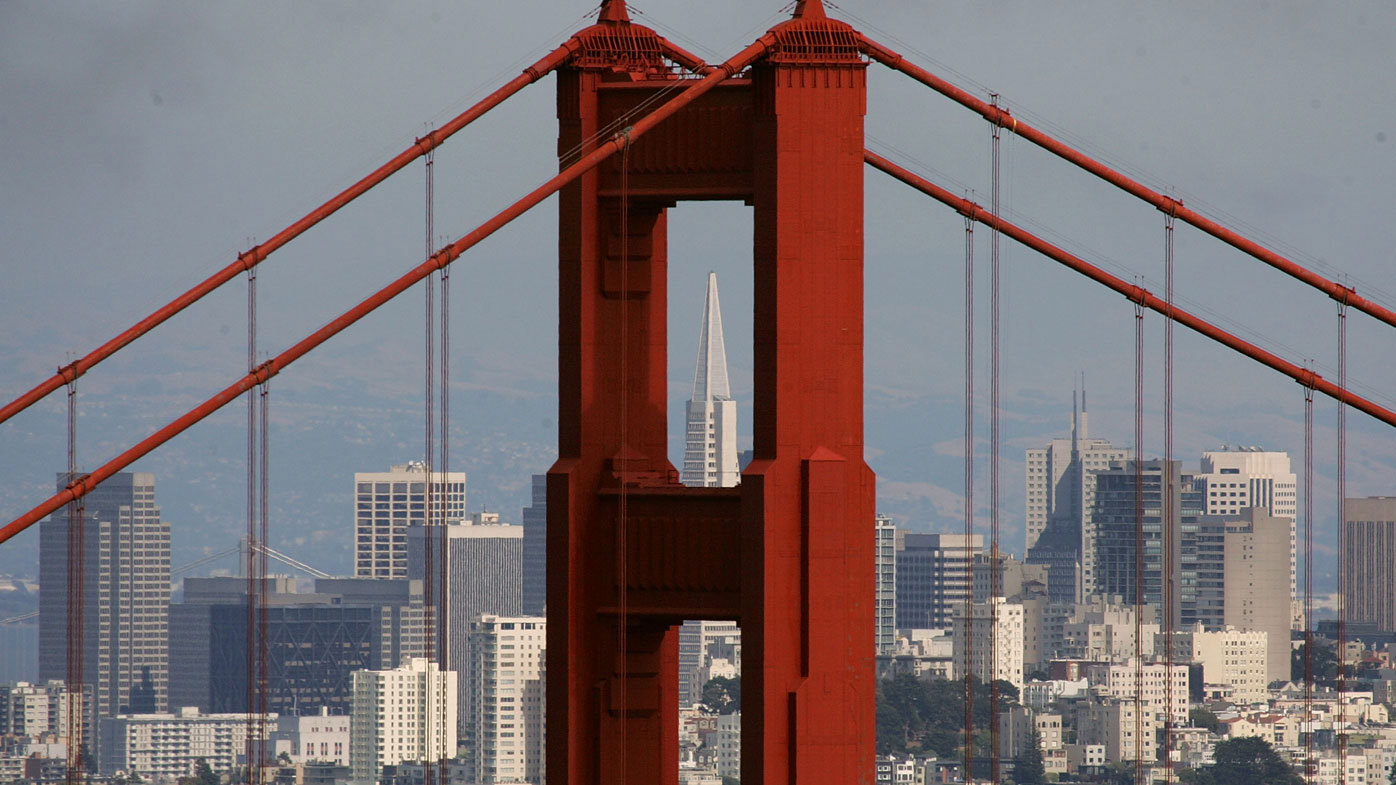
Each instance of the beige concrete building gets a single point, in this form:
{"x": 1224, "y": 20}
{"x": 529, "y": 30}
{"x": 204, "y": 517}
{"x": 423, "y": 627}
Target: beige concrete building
{"x": 1164, "y": 689}
{"x": 1228, "y": 656}
{"x": 1256, "y": 595}
{"x": 1112, "y": 724}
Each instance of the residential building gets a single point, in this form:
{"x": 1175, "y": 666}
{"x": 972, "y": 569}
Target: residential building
{"x": 1060, "y": 493}
{"x": 710, "y": 436}
{"x": 535, "y": 549}
{"x": 1255, "y": 596}
{"x": 165, "y": 746}
{"x": 933, "y": 577}
{"x": 484, "y": 566}
{"x": 1015, "y": 579}
{"x": 727, "y": 743}
{"x": 400, "y": 715}
{"x": 1102, "y": 631}
{"x": 125, "y": 585}
{"x": 1161, "y": 688}
{"x": 991, "y": 646}
{"x": 36, "y": 709}
{"x": 885, "y": 554}
{"x": 1369, "y": 554}
{"x": 1228, "y": 656}
{"x": 505, "y": 715}
{"x": 387, "y": 503}
{"x": 1114, "y": 725}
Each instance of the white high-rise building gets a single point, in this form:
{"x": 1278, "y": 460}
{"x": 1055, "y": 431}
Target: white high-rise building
{"x": 990, "y": 656}
{"x": 404, "y": 714}
{"x": 386, "y": 503}
{"x": 165, "y": 746}
{"x": 505, "y": 715}
{"x": 1235, "y": 478}
{"x": 710, "y": 440}
{"x": 885, "y": 552}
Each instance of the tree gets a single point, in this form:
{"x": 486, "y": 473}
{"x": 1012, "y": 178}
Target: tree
{"x": 1325, "y": 663}
{"x": 1202, "y": 718}
{"x": 203, "y": 773}
{"x": 1247, "y": 761}
{"x": 726, "y": 780}
{"x": 1028, "y": 768}
{"x": 723, "y": 695}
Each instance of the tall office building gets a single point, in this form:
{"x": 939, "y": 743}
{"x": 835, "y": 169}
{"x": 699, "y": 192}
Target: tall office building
{"x": 933, "y": 577}
{"x": 315, "y": 641}
{"x": 484, "y": 566}
{"x": 401, "y": 714}
{"x": 125, "y": 595}
{"x": 535, "y": 549}
{"x": 1235, "y": 478}
{"x": 1060, "y": 493}
{"x": 387, "y": 503}
{"x": 1114, "y": 516}
{"x": 1369, "y": 552}
{"x": 710, "y": 440}
{"x": 885, "y": 553}
{"x": 505, "y": 714}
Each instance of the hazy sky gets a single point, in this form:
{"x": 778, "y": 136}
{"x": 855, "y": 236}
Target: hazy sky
{"x": 146, "y": 143}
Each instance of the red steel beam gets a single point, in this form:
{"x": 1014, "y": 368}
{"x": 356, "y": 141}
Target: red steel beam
{"x": 85, "y": 485}
{"x": 254, "y": 256}
{"x": 1001, "y": 117}
{"x": 1135, "y": 293}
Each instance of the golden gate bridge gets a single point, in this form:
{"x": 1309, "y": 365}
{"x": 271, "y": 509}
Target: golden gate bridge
{"x": 646, "y": 124}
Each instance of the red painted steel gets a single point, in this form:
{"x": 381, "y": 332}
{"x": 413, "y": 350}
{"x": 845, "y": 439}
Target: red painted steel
{"x": 1001, "y": 117}
{"x": 275, "y": 365}
{"x": 257, "y": 254}
{"x": 789, "y": 553}
{"x": 1135, "y": 293}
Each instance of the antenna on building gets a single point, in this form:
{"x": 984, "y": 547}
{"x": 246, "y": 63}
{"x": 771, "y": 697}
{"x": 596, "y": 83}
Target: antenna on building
{"x": 1084, "y": 433}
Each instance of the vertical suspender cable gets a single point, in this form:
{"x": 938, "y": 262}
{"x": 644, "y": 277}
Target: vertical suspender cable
{"x": 432, "y": 494}
{"x": 1342, "y": 560}
{"x": 969, "y": 495}
{"x": 263, "y": 639}
{"x": 1170, "y": 496}
{"x": 995, "y": 589}
{"x": 448, "y": 492}
{"x": 251, "y": 565}
{"x": 1310, "y": 769}
{"x": 1138, "y": 542}
{"x": 77, "y": 607}
{"x": 622, "y": 541}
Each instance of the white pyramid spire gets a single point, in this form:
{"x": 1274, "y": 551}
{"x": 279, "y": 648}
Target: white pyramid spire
{"x": 710, "y": 375}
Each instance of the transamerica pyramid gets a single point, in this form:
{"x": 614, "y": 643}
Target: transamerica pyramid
{"x": 710, "y": 441}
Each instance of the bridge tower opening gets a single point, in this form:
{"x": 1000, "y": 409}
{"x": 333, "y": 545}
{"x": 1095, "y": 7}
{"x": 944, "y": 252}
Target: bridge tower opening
{"x": 788, "y": 553}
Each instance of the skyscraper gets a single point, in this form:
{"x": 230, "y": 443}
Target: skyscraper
{"x": 933, "y": 577}
{"x": 710, "y": 440}
{"x": 386, "y": 503}
{"x": 1114, "y": 515}
{"x": 484, "y": 566}
{"x": 125, "y": 595}
{"x": 535, "y": 549}
{"x": 1369, "y": 552}
{"x": 1235, "y": 478}
{"x": 1060, "y": 493}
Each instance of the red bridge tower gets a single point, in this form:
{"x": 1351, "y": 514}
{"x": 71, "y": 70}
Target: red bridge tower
{"x": 788, "y": 553}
